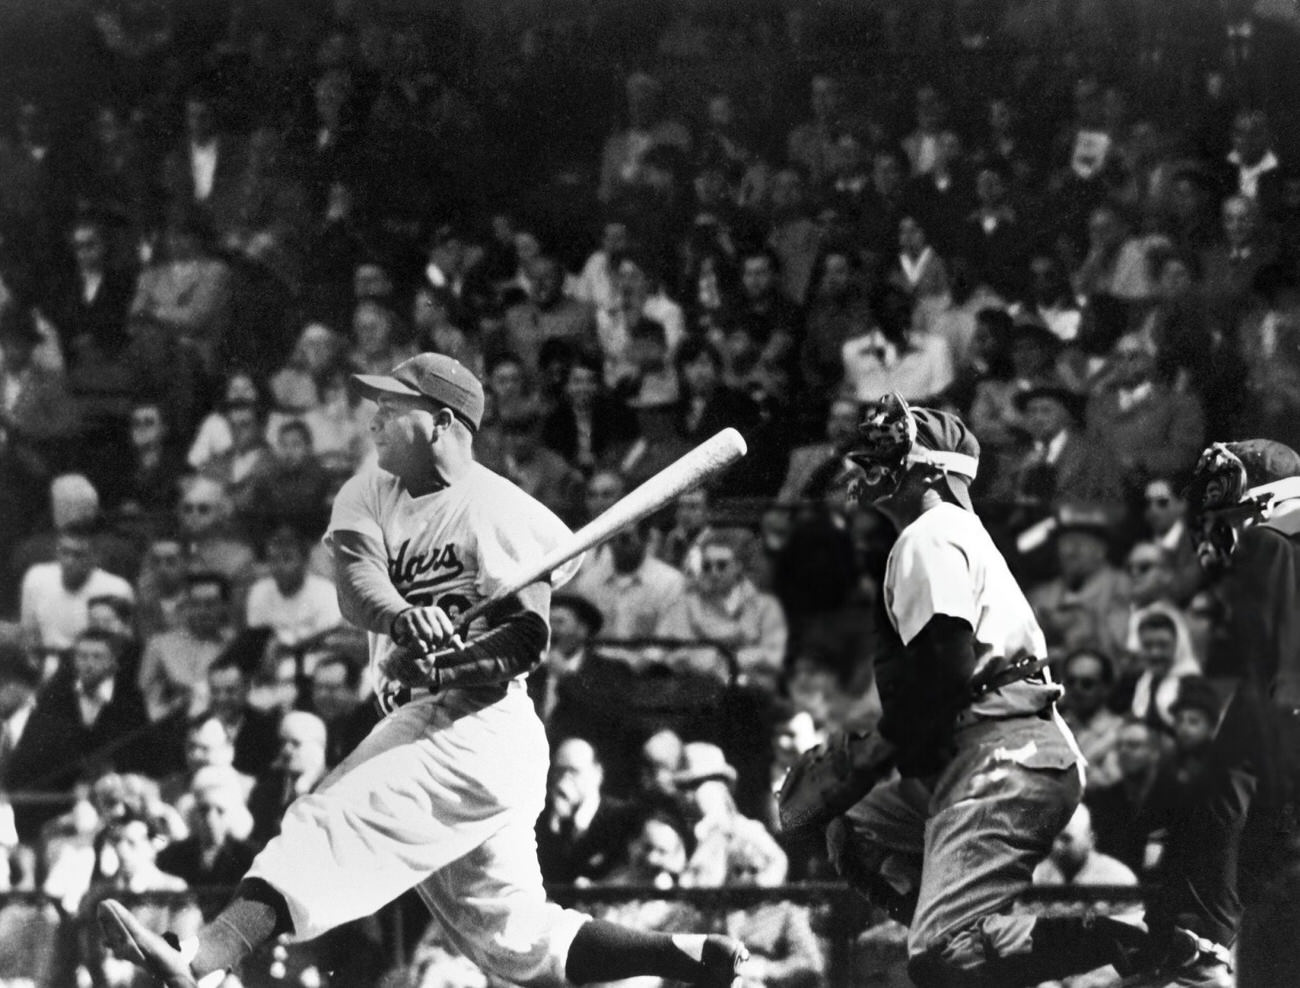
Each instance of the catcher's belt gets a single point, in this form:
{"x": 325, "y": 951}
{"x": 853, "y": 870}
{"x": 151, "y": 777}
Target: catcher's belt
{"x": 825, "y": 781}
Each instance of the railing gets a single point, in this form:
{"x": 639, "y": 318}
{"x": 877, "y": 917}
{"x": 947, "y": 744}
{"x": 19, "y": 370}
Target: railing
{"x": 42, "y": 944}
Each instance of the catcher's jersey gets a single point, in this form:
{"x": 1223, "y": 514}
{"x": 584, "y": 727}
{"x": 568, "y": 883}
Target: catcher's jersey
{"x": 946, "y": 563}
{"x": 450, "y": 548}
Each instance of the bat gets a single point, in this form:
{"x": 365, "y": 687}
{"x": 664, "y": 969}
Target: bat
{"x": 706, "y": 460}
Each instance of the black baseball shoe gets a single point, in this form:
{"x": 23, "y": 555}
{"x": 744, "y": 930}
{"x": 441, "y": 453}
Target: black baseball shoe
{"x": 126, "y": 937}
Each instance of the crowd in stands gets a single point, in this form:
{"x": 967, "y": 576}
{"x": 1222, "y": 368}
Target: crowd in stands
{"x": 1074, "y": 224}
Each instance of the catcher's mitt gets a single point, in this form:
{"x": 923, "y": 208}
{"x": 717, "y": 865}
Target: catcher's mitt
{"x": 828, "y": 779}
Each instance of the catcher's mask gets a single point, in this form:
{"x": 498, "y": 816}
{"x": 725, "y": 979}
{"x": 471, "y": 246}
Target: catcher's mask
{"x": 887, "y": 447}
{"x": 1226, "y": 505}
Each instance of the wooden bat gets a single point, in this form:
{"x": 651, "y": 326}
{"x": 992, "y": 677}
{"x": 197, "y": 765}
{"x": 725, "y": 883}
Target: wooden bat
{"x": 706, "y": 460}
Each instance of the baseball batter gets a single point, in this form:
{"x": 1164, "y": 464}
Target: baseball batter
{"x": 444, "y": 793}
{"x": 988, "y": 773}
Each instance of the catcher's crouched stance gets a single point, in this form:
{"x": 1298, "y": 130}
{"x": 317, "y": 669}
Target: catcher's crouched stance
{"x": 443, "y": 794}
{"x": 988, "y": 773}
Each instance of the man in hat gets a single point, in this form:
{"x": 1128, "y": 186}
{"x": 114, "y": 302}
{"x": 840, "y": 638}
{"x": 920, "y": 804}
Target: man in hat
{"x": 582, "y": 692}
{"x": 988, "y": 772}
{"x": 1062, "y": 461}
{"x": 443, "y": 795}
{"x": 1087, "y": 605}
{"x": 1239, "y": 845}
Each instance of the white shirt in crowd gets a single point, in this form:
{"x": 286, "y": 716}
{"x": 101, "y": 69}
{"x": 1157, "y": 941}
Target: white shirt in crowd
{"x": 313, "y": 609}
{"x": 51, "y": 614}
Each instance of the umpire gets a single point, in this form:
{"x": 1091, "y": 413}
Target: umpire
{"x": 1238, "y": 849}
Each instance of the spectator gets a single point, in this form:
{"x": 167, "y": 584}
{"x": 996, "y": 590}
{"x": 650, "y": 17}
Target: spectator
{"x": 116, "y": 616}
{"x": 208, "y": 744}
{"x": 161, "y": 587}
{"x": 809, "y": 144}
{"x": 709, "y": 405}
{"x": 783, "y": 951}
{"x": 174, "y": 668}
{"x": 722, "y": 605}
{"x": 1165, "y": 516}
{"x": 298, "y": 768}
{"x": 1196, "y": 719}
{"x": 1062, "y": 463}
{"x": 547, "y": 314}
{"x": 90, "y": 310}
{"x": 93, "y": 717}
{"x": 680, "y": 546}
{"x": 1269, "y": 333}
{"x": 1230, "y": 267}
{"x": 588, "y": 426}
{"x": 152, "y": 486}
{"x": 1257, "y": 173}
{"x": 640, "y": 298}
{"x": 994, "y": 236}
{"x": 213, "y": 438}
{"x": 217, "y": 853}
{"x": 659, "y": 760}
{"x": 582, "y": 833}
{"x": 134, "y": 841}
{"x": 188, "y": 291}
{"x": 292, "y": 485}
{"x": 656, "y": 857}
{"x": 1165, "y": 650}
{"x": 210, "y": 539}
{"x": 295, "y": 604}
{"x": 1148, "y": 428}
{"x": 597, "y": 282}
{"x": 630, "y": 587}
{"x": 582, "y": 692}
{"x": 241, "y": 468}
{"x": 336, "y": 700}
{"x": 837, "y": 313}
{"x": 379, "y": 340}
{"x": 794, "y": 237}
{"x": 704, "y": 782}
{"x": 622, "y": 162}
{"x": 1087, "y": 606}
{"x": 814, "y": 467}
{"x": 1074, "y": 859}
{"x": 774, "y": 321}
{"x": 1088, "y": 676}
{"x": 34, "y": 405}
{"x": 1116, "y": 262}
{"x": 254, "y": 733}
{"x": 1117, "y": 809}
{"x": 19, "y": 681}
{"x": 534, "y": 468}
{"x": 916, "y": 269}
{"x": 205, "y": 174}
{"x": 55, "y": 596}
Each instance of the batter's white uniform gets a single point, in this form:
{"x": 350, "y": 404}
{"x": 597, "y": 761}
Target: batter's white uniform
{"x": 444, "y": 793}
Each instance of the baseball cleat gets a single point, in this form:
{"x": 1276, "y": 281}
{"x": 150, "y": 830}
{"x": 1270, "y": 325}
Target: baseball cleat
{"x": 721, "y": 959}
{"x": 126, "y": 937}
{"x": 1189, "y": 962}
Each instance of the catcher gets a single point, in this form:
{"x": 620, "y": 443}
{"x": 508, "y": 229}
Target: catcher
{"x": 988, "y": 773}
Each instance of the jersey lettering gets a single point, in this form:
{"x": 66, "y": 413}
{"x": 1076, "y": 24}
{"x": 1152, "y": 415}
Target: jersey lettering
{"x": 404, "y": 570}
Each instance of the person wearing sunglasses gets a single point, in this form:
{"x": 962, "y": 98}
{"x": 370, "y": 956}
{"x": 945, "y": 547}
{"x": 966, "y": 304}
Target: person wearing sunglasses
{"x": 1164, "y": 512}
{"x": 1088, "y": 676}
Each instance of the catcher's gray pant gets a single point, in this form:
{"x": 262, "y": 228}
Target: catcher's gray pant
{"x": 441, "y": 796}
{"x": 964, "y": 843}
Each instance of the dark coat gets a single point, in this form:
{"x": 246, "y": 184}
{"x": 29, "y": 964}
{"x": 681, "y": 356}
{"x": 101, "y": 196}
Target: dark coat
{"x": 185, "y": 860}
{"x": 592, "y": 854}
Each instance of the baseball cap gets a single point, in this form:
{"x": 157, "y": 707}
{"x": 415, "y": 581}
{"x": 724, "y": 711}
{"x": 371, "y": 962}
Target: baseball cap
{"x": 943, "y": 432}
{"x": 429, "y": 375}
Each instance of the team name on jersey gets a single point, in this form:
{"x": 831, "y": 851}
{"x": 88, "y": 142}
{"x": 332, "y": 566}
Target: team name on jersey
{"x": 421, "y": 570}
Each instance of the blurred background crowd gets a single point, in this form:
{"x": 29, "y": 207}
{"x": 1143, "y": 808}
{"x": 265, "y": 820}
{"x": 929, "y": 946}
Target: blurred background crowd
{"x": 639, "y": 222}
